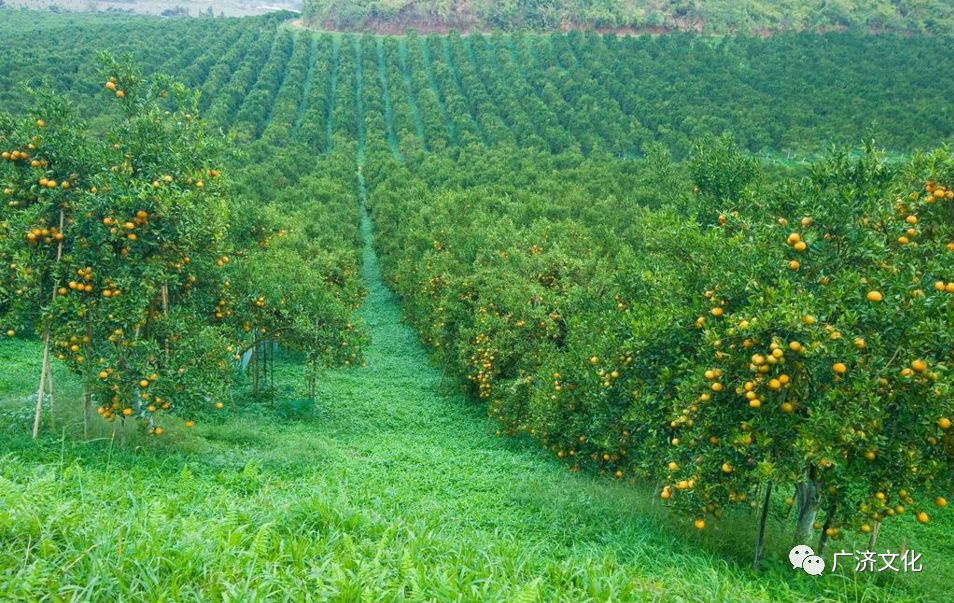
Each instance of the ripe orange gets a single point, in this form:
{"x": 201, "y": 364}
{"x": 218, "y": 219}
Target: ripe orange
{"x": 190, "y": 424}
{"x": 127, "y": 412}
{"x": 726, "y": 468}
{"x": 940, "y": 501}
{"x": 699, "y": 524}
{"x": 839, "y": 368}
{"x": 944, "y": 423}
{"x": 874, "y": 296}
{"x": 923, "y": 517}
{"x": 219, "y": 405}
{"x": 794, "y": 265}
{"x": 717, "y": 312}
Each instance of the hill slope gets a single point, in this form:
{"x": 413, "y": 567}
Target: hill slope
{"x": 709, "y": 16}
{"x": 262, "y": 79}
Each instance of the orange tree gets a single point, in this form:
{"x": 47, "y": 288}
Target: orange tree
{"x": 294, "y": 275}
{"x": 829, "y": 363}
{"x": 110, "y": 246}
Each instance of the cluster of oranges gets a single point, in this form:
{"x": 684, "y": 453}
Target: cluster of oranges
{"x": 84, "y": 274}
{"x": 483, "y": 360}
{"x": 127, "y": 228}
{"x": 798, "y": 244}
{"x": 14, "y": 155}
{"x": 50, "y": 183}
{"x": 111, "y": 85}
{"x": 222, "y": 310}
{"x": 48, "y": 236}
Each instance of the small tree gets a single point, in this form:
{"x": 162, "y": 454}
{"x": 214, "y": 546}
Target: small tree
{"x": 113, "y": 247}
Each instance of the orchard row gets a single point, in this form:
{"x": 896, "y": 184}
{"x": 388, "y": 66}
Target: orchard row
{"x": 718, "y": 337}
{"x": 261, "y": 78}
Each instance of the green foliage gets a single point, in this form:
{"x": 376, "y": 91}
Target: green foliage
{"x": 630, "y": 346}
{"x": 720, "y": 170}
{"x": 110, "y": 244}
{"x": 121, "y": 255}
{"x": 794, "y": 93}
{"x": 710, "y": 16}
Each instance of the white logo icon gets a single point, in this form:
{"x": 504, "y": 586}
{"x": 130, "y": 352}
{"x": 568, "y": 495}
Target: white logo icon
{"x": 804, "y": 557}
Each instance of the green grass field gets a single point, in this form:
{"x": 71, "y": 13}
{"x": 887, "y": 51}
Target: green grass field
{"x": 392, "y": 488}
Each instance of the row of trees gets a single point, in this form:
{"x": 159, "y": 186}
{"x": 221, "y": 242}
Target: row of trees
{"x": 147, "y": 272}
{"x": 752, "y": 335}
{"x": 554, "y": 92}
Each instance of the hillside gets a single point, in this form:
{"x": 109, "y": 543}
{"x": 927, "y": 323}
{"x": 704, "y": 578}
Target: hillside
{"x": 704, "y": 16}
{"x": 595, "y": 94}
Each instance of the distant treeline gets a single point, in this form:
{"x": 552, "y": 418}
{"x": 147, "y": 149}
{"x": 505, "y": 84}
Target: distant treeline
{"x": 709, "y": 16}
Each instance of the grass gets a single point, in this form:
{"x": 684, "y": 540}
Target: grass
{"x": 392, "y": 489}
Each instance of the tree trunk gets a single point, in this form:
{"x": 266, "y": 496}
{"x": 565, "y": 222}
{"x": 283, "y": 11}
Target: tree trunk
{"x": 873, "y": 538}
{"x": 312, "y": 378}
{"x": 760, "y": 538}
{"x": 87, "y": 408}
{"x": 49, "y": 379}
{"x": 41, "y": 390}
{"x": 806, "y": 498}
{"x": 823, "y": 538}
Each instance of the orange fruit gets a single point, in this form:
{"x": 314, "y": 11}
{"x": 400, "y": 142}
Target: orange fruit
{"x": 699, "y": 524}
{"x": 839, "y": 368}
{"x": 874, "y": 296}
{"x": 923, "y": 517}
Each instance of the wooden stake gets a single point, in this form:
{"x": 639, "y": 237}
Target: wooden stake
{"x": 49, "y": 379}
{"x": 87, "y": 407}
{"x": 873, "y": 538}
{"x": 41, "y": 390}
